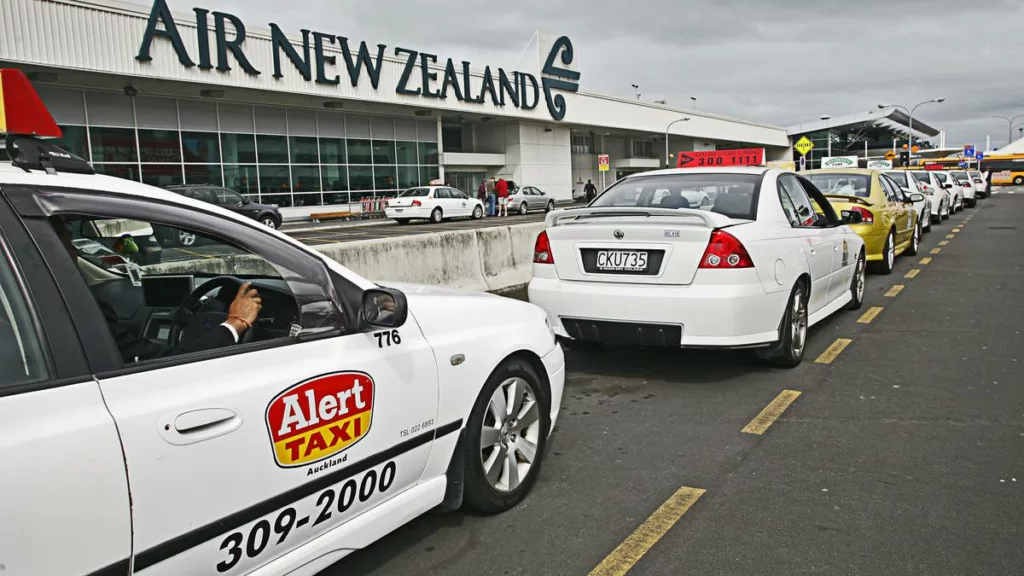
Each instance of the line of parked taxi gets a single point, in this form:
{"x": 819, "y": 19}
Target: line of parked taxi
{"x": 771, "y": 253}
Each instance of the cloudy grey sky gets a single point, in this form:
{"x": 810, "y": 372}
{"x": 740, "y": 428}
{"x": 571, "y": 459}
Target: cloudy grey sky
{"x": 781, "y": 62}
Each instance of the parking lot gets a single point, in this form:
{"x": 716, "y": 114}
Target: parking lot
{"x": 344, "y": 232}
{"x": 896, "y": 447}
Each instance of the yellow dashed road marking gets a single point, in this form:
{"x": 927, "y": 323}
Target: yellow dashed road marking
{"x": 944, "y": 243}
{"x": 936, "y": 250}
{"x": 912, "y": 274}
{"x": 950, "y": 236}
{"x": 894, "y": 290}
{"x": 833, "y": 351}
{"x": 926, "y": 260}
{"x": 870, "y": 315}
{"x": 632, "y": 549}
{"x": 771, "y": 412}
{"x": 955, "y": 230}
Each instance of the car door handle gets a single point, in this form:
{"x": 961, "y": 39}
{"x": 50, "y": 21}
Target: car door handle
{"x": 198, "y": 425}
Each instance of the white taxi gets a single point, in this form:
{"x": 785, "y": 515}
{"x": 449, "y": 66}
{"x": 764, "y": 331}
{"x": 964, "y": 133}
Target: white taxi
{"x": 762, "y": 261}
{"x": 433, "y": 203}
{"x": 149, "y": 420}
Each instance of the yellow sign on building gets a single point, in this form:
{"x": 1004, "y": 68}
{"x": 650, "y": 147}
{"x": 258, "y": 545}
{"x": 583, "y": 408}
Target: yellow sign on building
{"x": 803, "y": 145}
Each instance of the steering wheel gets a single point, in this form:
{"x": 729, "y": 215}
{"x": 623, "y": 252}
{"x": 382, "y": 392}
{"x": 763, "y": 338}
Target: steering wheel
{"x": 190, "y": 319}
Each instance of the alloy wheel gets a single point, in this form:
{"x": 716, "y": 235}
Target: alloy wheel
{"x": 798, "y": 324}
{"x": 523, "y": 208}
{"x": 860, "y": 278}
{"x": 510, "y": 434}
{"x": 186, "y": 238}
{"x": 890, "y": 255}
{"x": 269, "y": 222}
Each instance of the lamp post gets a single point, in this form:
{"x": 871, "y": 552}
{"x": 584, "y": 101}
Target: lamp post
{"x": 826, "y": 118}
{"x": 910, "y": 125}
{"x": 683, "y": 119}
{"x": 1009, "y": 122}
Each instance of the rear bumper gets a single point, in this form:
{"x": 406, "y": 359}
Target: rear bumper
{"x": 701, "y": 315}
{"x": 874, "y": 241}
{"x": 410, "y": 213}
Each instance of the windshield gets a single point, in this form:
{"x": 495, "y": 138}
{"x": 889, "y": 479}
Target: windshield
{"x": 922, "y": 177}
{"x": 960, "y": 176}
{"x": 414, "y": 193}
{"x": 732, "y": 195}
{"x": 900, "y": 177}
{"x": 841, "y": 183}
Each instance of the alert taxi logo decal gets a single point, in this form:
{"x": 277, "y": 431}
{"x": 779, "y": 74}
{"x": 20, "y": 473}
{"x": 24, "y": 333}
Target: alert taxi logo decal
{"x": 320, "y": 417}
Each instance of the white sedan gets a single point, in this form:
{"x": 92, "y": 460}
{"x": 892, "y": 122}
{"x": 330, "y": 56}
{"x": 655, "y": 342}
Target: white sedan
{"x": 433, "y": 203}
{"x": 765, "y": 261}
{"x": 166, "y": 420}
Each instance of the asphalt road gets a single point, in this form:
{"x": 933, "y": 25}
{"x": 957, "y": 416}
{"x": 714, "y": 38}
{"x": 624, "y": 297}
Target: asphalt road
{"x": 904, "y": 455}
{"x": 327, "y": 234}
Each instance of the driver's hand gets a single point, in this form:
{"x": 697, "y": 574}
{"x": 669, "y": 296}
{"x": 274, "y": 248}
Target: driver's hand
{"x": 246, "y": 306}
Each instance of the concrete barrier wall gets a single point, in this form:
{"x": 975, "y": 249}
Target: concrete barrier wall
{"x": 488, "y": 259}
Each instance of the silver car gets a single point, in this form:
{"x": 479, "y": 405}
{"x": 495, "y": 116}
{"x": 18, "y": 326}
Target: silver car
{"x": 526, "y": 198}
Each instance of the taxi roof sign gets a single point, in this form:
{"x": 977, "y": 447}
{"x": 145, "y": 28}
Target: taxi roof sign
{"x": 22, "y": 112}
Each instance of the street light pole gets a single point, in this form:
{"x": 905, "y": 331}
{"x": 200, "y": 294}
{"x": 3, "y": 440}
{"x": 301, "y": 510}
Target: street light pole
{"x": 1010, "y": 122}
{"x": 910, "y": 123}
{"x": 683, "y": 119}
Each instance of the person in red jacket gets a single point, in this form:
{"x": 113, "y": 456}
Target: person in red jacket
{"x": 501, "y": 189}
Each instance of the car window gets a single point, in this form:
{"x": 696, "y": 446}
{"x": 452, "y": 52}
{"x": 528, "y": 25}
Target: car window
{"x": 457, "y": 194}
{"x": 205, "y": 195}
{"x": 227, "y": 197}
{"x": 441, "y": 194}
{"x": 788, "y": 207}
{"x": 21, "y": 349}
{"x": 943, "y": 179}
{"x": 899, "y": 178}
{"x": 841, "y": 183}
{"x": 733, "y": 195}
{"x": 922, "y": 177}
{"x": 803, "y": 208}
{"x": 415, "y": 193}
{"x": 141, "y": 275}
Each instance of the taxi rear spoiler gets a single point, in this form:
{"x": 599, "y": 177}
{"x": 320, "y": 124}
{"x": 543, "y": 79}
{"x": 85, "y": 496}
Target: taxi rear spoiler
{"x": 850, "y": 199}
{"x": 582, "y": 215}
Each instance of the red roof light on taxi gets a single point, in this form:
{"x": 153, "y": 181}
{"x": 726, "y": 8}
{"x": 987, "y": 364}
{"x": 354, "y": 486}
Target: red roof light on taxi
{"x": 22, "y": 112}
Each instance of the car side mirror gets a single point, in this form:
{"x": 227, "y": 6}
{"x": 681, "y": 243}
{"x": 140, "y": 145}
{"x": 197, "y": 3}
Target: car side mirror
{"x": 851, "y": 217}
{"x": 384, "y": 308}
{"x": 917, "y": 197}
{"x": 947, "y": 186}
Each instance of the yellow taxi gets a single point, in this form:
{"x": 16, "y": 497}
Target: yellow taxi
{"x": 888, "y": 223}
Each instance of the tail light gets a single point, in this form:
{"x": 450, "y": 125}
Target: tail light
{"x": 542, "y": 250}
{"x": 417, "y": 203}
{"x": 866, "y": 216}
{"x": 725, "y": 251}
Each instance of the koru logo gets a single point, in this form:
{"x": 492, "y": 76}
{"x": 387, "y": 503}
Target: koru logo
{"x": 558, "y": 78}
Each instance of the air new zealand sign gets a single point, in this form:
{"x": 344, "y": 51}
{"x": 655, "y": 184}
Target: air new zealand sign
{"x": 520, "y": 89}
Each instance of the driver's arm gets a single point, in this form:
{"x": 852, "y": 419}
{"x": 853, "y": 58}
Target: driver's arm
{"x": 244, "y": 311}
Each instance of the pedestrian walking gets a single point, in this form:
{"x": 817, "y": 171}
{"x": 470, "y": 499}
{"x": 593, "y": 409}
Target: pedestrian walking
{"x": 481, "y": 194}
{"x": 590, "y": 191}
{"x": 501, "y": 190}
{"x": 491, "y": 198}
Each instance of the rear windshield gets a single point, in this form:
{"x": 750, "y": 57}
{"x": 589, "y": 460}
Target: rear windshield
{"x": 733, "y": 195}
{"x": 899, "y": 177}
{"x": 975, "y": 174}
{"x": 842, "y": 183}
{"x": 414, "y": 193}
{"x": 960, "y": 176}
{"x": 922, "y": 177}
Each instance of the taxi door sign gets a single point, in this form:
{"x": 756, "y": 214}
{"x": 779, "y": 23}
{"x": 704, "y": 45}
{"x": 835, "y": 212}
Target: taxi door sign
{"x": 320, "y": 417}
{"x": 739, "y": 157}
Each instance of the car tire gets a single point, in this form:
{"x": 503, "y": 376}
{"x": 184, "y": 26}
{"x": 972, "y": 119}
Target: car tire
{"x": 269, "y": 221}
{"x": 490, "y": 486}
{"x": 857, "y": 284}
{"x": 1018, "y": 181}
{"x": 911, "y": 250}
{"x": 926, "y": 227}
{"x": 523, "y": 209}
{"x": 478, "y": 213}
{"x": 788, "y": 352}
{"x": 436, "y": 216}
{"x": 402, "y": 221}
{"x": 937, "y": 218}
{"x": 550, "y": 206}
{"x": 888, "y": 255}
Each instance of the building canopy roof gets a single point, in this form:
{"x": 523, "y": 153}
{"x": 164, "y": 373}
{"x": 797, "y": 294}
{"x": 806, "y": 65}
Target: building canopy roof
{"x": 889, "y": 118}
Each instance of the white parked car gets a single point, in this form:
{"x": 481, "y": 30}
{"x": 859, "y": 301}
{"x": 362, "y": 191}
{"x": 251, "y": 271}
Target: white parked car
{"x": 526, "y": 199}
{"x": 769, "y": 259}
{"x": 980, "y": 183}
{"x": 167, "y": 422}
{"x": 967, "y": 185}
{"x": 434, "y": 203}
{"x": 953, "y": 187}
{"x": 930, "y": 186}
{"x": 909, "y": 187}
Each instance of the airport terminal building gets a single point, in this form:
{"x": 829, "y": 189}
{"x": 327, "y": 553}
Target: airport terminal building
{"x": 311, "y": 120}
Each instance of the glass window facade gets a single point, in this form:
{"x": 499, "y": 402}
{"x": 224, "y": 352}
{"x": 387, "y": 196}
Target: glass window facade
{"x": 284, "y": 156}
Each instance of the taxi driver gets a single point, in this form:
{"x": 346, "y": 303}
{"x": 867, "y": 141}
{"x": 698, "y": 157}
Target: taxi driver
{"x": 242, "y": 313}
